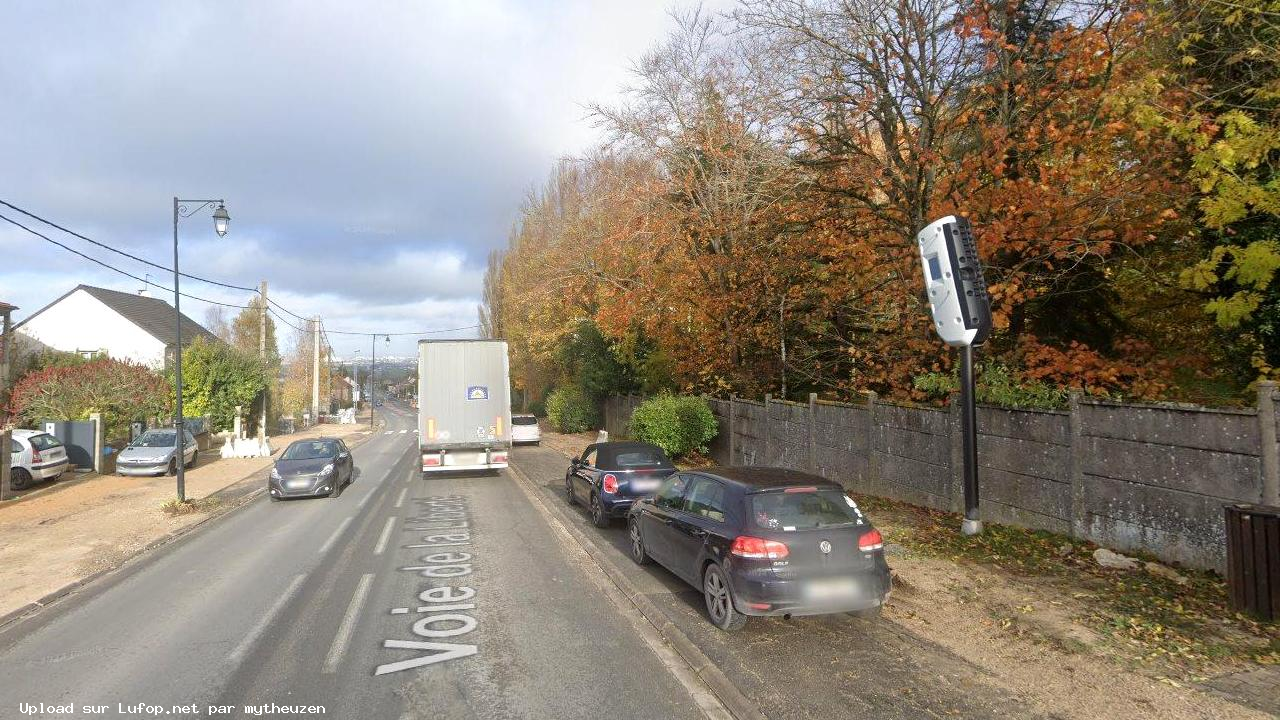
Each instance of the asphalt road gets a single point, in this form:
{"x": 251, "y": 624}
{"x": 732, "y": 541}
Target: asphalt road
{"x": 339, "y": 603}
{"x": 824, "y": 666}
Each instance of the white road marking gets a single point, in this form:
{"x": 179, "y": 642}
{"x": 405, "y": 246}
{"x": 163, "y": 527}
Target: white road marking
{"x": 334, "y": 537}
{"x": 240, "y": 650}
{"x": 400, "y": 500}
{"x": 343, "y": 638}
{"x": 388, "y": 432}
{"x": 403, "y": 432}
{"x": 386, "y": 534}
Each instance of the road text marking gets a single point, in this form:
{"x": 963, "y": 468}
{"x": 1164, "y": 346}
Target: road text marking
{"x": 445, "y": 527}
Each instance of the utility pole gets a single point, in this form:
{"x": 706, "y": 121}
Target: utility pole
{"x": 262, "y": 353}
{"x": 373, "y": 363}
{"x": 315, "y": 370}
{"x": 6, "y": 354}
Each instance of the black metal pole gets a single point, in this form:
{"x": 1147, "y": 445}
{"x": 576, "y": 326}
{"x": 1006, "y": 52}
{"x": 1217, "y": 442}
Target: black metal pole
{"x": 969, "y": 421}
{"x": 178, "y": 445}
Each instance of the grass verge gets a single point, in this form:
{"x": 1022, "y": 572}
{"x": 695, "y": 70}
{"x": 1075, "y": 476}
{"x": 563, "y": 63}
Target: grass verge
{"x": 1179, "y": 627}
{"x": 176, "y": 508}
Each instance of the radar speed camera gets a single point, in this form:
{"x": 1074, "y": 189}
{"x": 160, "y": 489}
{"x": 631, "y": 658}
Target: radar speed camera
{"x": 953, "y": 279}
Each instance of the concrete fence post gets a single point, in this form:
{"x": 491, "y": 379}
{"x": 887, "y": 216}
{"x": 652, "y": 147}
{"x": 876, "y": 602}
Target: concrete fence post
{"x": 1075, "y": 466}
{"x": 1270, "y": 453}
{"x": 733, "y": 430}
{"x": 768, "y": 425}
{"x": 873, "y": 465}
{"x": 813, "y": 432}
{"x": 99, "y": 441}
{"x": 5, "y": 438}
{"x": 956, "y": 425}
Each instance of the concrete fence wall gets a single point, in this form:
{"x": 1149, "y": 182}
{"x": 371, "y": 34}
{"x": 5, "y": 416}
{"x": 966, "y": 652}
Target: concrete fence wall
{"x": 1130, "y": 477}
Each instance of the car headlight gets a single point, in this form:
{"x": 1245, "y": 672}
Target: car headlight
{"x": 326, "y": 470}
{"x": 275, "y": 474}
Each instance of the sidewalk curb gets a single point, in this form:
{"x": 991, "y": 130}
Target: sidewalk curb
{"x": 242, "y": 500}
{"x": 728, "y": 693}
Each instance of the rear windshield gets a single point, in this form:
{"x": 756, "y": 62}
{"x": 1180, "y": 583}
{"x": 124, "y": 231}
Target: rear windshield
{"x": 43, "y": 442}
{"x": 154, "y": 438}
{"x": 524, "y": 420}
{"x": 803, "y": 510}
{"x": 313, "y": 450}
{"x": 640, "y": 458}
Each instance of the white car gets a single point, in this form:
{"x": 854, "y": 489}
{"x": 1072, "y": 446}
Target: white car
{"x": 524, "y": 429}
{"x": 36, "y": 455}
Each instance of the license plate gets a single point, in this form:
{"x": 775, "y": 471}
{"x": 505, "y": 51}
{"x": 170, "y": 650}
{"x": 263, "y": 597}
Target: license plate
{"x": 294, "y": 484}
{"x": 831, "y": 590}
{"x": 645, "y": 485}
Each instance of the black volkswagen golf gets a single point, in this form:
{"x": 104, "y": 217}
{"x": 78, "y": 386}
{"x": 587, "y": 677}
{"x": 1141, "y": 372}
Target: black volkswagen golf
{"x": 763, "y": 541}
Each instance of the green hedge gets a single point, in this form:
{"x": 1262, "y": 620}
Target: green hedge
{"x": 571, "y": 410}
{"x": 674, "y": 423}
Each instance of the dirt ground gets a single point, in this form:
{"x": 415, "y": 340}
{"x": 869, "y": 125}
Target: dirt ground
{"x": 1048, "y": 638}
{"x": 55, "y": 538}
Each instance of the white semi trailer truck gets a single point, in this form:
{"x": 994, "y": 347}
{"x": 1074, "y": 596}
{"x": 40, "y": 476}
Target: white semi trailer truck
{"x": 464, "y": 405}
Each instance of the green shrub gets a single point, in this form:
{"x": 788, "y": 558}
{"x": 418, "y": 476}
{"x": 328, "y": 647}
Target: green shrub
{"x": 538, "y": 407}
{"x": 675, "y": 423}
{"x": 571, "y": 410}
{"x": 997, "y": 385}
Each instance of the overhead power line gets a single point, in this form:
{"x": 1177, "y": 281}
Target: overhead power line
{"x": 105, "y": 246}
{"x": 401, "y": 334}
{"x": 114, "y": 268}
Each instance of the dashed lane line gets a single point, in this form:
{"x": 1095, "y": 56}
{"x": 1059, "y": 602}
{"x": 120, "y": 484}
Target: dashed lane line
{"x": 386, "y": 534}
{"x": 403, "y": 492}
{"x": 334, "y": 537}
{"x": 343, "y": 638}
{"x": 242, "y": 649}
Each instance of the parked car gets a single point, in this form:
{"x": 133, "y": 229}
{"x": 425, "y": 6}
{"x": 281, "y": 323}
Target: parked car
{"x": 152, "y": 453}
{"x": 524, "y": 429}
{"x": 35, "y": 456}
{"x": 763, "y": 541}
{"x": 311, "y": 468}
{"x": 610, "y": 476}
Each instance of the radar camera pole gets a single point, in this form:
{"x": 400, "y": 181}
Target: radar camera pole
{"x": 961, "y": 312}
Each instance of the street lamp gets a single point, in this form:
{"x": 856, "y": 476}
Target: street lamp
{"x": 221, "y": 219}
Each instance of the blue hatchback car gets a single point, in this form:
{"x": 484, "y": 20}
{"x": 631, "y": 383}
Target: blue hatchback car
{"x": 609, "y": 477}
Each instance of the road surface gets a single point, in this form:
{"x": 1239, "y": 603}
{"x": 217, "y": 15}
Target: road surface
{"x": 295, "y": 604}
{"x": 444, "y": 597}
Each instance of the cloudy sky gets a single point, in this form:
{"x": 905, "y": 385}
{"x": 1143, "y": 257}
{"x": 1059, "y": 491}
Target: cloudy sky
{"x": 370, "y": 153}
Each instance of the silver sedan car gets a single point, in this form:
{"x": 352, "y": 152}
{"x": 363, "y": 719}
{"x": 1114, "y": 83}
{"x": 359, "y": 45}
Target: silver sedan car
{"x": 151, "y": 453}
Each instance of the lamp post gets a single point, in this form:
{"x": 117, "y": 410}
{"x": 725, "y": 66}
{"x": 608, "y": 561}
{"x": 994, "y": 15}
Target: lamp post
{"x": 185, "y": 209}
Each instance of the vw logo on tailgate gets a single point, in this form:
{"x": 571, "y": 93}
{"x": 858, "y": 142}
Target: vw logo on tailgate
{"x": 825, "y": 547}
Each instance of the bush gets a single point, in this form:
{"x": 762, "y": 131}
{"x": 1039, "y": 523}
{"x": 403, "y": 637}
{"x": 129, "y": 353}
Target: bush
{"x": 121, "y": 391}
{"x": 538, "y": 408}
{"x": 571, "y": 410}
{"x": 997, "y": 385}
{"x": 217, "y": 377}
{"x": 674, "y": 423}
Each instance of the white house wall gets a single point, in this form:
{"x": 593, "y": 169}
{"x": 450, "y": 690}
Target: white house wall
{"x": 81, "y": 322}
